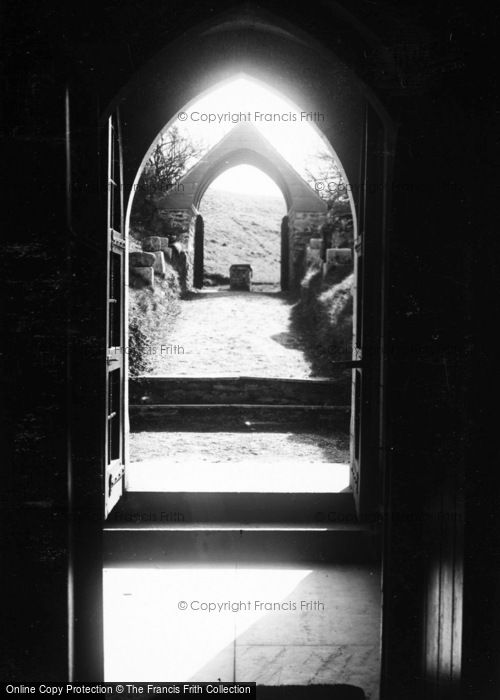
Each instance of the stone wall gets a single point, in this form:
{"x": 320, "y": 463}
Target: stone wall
{"x": 149, "y": 263}
{"x": 331, "y": 245}
{"x": 302, "y": 226}
{"x": 316, "y": 239}
{"x": 338, "y": 229}
{"x": 175, "y": 245}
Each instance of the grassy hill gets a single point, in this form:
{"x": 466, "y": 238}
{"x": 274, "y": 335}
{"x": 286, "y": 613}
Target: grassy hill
{"x": 242, "y": 228}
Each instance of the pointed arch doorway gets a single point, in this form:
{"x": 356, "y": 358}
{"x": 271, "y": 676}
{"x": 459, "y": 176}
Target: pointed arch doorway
{"x": 368, "y": 424}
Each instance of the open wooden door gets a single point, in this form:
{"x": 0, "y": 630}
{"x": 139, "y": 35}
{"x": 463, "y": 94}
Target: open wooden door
{"x": 367, "y": 326}
{"x": 115, "y": 418}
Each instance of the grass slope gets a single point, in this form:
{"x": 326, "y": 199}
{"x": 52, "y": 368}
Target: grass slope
{"x": 242, "y": 228}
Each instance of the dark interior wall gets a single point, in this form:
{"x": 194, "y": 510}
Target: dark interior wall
{"x": 425, "y": 66}
{"x": 33, "y": 501}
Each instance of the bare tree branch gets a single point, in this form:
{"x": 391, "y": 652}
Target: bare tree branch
{"x": 169, "y": 161}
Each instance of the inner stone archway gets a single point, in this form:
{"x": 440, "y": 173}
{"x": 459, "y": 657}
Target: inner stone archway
{"x": 244, "y": 144}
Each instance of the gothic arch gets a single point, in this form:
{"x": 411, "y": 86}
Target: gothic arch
{"x": 244, "y": 144}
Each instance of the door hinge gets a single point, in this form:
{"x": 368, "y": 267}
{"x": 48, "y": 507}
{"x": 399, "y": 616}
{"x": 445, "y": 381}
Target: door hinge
{"x": 117, "y": 240}
{"x": 114, "y": 357}
{"x": 114, "y": 479}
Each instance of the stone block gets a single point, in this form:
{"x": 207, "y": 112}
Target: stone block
{"x": 313, "y": 255}
{"x": 339, "y": 256}
{"x": 151, "y": 244}
{"x": 159, "y": 266}
{"x": 141, "y": 277}
{"x": 165, "y": 247}
{"x": 137, "y": 259}
{"x": 315, "y": 243}
{"x": 240, "y": 277}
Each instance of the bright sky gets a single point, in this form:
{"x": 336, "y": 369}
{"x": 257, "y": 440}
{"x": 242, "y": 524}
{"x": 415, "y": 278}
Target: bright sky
{"x": 248, "y": 179}
{"x": 291, "y": 131}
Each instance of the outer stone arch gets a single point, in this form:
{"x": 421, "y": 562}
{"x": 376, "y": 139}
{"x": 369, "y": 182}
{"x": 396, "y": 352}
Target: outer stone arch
{"x": 244, "y": 144}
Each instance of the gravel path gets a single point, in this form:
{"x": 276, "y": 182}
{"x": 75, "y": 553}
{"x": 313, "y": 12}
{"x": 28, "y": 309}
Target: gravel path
{"x": 311, "y": 446}
{"x": 224, "y": 333}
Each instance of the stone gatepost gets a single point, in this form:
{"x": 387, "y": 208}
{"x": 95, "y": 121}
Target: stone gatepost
{"x": 181, "y": 228}
{"x": 303, "y": 225}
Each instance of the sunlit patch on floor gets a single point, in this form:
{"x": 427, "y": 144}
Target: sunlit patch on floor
{"x": 275, "y": 626}
{"x": 249, "y": 476}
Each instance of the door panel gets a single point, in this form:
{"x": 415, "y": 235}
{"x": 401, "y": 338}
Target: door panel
{"x": 115, "y": 325}
{"x": 367, "y": 293}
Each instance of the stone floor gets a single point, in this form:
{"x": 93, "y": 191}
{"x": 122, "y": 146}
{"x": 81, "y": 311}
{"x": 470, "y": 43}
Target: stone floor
{"x": 281, "y": 626}
{"x": 223, "y": 333}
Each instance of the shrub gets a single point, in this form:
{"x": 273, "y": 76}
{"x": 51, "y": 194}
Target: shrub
{"x": 138, "y": 349}
{"x": 335, "y": 316}
{"x": 324, "y": 317}
{"x": 151, "y": 315}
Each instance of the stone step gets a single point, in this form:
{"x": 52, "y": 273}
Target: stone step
{"x": 188, "y": 509}
{"x": 235, "y": 417}
{"x": 238, "y": 390}
{"x": 165, "y": 546}
{"x": 163, "y": 529}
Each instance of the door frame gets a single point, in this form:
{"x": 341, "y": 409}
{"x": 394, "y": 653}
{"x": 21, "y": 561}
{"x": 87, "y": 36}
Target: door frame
{"x": 85, "y": 585}
{"x": 367, "y": 433}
